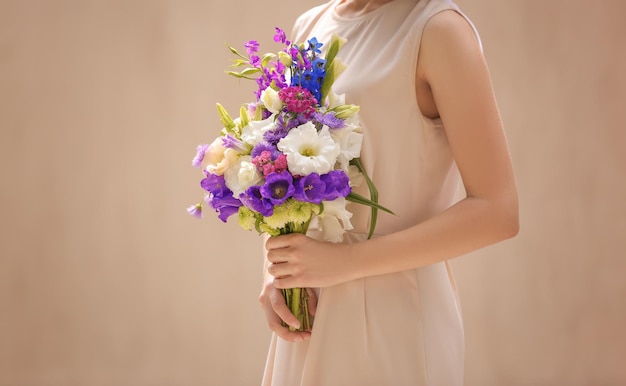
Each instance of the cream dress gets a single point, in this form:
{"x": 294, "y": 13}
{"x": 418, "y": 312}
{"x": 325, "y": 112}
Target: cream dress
{"x": 403, "y": 328}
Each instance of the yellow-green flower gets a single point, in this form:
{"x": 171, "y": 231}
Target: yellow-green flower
{"x": 247, "y": 218}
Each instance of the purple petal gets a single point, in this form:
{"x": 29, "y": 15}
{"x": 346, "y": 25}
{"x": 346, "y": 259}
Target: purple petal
{"x": 310, "y": 189}
{"x": 200, "y": 151}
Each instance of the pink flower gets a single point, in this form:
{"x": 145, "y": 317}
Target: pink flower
{"x": 298, "y": 100}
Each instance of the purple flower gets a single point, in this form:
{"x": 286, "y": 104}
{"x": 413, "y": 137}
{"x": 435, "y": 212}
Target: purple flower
{"x": 252, "y": 47}
{"x": 195, "y": 210}
{"x": 310, "y": 189}
{"x": 278, "y": 187}
{"x": 337, "y": 184}
{"x": 200, "y": 151}
{"x": 253, "y": 199}
{"x": 233, "y": 143}
{"x": 329, "y": 119}
{"x": 280, "y": 36}
{"x": 216, "y": 185}
{"x": 225, "y": 206}
{"x": 265, "y": 146}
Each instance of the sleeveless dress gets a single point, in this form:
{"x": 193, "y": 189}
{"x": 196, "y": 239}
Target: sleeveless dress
{"x": 403, "y": 328}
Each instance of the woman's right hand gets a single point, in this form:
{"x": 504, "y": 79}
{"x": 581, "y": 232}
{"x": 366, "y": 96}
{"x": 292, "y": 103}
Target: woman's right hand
{"x": 276, "y": 310}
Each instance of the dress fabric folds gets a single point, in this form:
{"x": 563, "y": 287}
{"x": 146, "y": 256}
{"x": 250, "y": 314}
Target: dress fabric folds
{"x": 403, "y": 328}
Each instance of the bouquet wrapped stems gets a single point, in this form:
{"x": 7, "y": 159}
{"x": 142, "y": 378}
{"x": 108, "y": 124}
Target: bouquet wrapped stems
{"x": 296, "y": 299}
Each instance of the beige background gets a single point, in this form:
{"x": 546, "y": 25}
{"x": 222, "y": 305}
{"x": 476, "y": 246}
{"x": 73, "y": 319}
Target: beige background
{"x": 105, "y": 280}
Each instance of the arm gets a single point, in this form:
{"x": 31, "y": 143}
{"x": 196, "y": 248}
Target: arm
{"x": 453, "y": 68}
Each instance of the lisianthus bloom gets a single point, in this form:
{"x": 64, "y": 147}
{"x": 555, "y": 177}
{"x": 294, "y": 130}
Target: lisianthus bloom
{"x": 308, "y": 151}
{"x": 240, "y": 176}
{"x": 217, "y": 158}
{"x": 278, "y": 187}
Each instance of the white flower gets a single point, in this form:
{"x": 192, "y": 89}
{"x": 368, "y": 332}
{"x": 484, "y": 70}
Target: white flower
{"x": 217, "y": 158}
{"x": 271, "y": 100}
{"x": 242, "y": 175}
{"x": 349, "y": 139}
{"x": 334, "y": 220}
{"x": 253, "y": 132}
{"x": 355, "y": 176}
{"x": 309, "y": 151}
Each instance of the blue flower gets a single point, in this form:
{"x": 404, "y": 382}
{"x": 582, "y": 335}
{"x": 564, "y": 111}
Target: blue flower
{"x": 278, "y": 187}
{"x": 315, "y": 46}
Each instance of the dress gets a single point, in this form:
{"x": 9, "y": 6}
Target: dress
{"x": 403, "y": 328}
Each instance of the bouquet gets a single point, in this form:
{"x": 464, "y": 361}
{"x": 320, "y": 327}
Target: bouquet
{"x": 289, "y": 161}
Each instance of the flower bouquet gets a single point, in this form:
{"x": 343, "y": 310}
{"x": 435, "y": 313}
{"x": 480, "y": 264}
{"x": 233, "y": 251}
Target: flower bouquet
{"x": 289, "y": 161}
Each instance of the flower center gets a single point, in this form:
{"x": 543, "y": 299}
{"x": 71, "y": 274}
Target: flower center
{"x": 279, "y": 191}
{"x": 308, "y": 152}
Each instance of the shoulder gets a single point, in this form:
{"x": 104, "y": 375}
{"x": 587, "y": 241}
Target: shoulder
{"x": 450, "y": 28}
{"x": 306, "y": 20}
{"x": 449, "y": 39}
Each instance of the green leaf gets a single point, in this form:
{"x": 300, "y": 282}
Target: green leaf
{"x": 373, "y": 195}
{"x": 358, "y": 199}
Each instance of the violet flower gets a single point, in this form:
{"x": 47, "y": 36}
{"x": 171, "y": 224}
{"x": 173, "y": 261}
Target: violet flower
{"x": 200, "y": 151}
{"x": 253, "y": 199}
{"x": 278, "y": 187}
{"x": 310, "y": 188}
{"x": 337, "y": 184}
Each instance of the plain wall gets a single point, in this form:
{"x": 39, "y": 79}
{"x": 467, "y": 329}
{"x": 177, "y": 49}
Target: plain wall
{"x": 105, "y": 279}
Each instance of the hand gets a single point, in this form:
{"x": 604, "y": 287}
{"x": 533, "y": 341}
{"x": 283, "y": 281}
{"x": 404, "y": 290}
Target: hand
{"x": 273, "y": 304}
{"x": 300, "y": 261}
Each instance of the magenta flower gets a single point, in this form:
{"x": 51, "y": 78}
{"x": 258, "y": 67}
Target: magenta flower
{"x": 298, "y": 100}
{"x": 280, "y": 36}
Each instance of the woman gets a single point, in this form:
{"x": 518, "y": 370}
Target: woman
{"x": 387, "y": 310}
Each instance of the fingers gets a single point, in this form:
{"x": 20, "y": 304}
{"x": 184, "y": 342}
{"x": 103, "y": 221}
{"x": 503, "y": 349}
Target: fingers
{"x": 282, "y": 241}
{"x": 275, "y": 309}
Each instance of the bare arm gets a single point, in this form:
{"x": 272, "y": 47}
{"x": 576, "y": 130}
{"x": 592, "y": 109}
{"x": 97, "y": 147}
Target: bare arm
{"x": 452, "y": 66}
